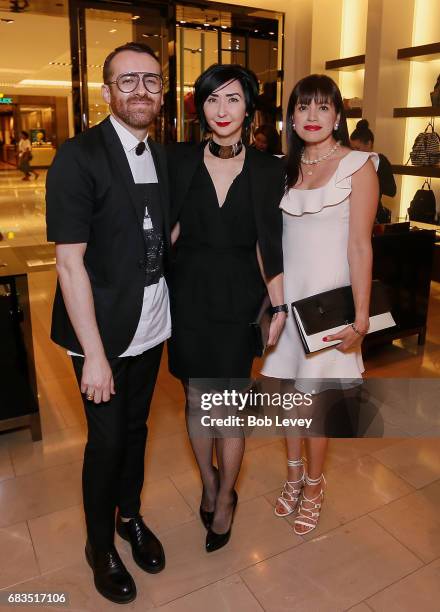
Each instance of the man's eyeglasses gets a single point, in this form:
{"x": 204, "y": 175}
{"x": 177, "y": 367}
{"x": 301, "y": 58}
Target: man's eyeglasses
{"x": 128, "y": 82}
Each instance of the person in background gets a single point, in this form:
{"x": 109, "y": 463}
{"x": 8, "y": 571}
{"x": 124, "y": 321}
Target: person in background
{"x": 362, "y": 139}
{"x": 25, "y": 156}
{"x": 266, "y": 105}
{"x": 267, "y": 139}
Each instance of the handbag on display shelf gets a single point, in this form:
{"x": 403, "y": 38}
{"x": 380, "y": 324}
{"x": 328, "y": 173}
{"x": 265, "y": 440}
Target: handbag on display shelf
{"x": 423, "y": 206}
{"x": 261, "y": 326}
{"x": 329, "y": 312}
{"x": 426, "y": 148}
{"x": 435, "y": 95}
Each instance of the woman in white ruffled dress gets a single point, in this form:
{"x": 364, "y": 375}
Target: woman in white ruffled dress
{"x": 328, "y": 214}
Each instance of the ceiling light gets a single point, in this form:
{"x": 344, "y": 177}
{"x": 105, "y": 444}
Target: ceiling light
{"x": 136, "y": 17}
{"x": 182, "y": 21}
{"x": 7, "y": 21}
{"x": 113, "y": 31}
{"x": 49, "y": 83}
{"x": 256, "y": 31}
{"x": 146, "y": 35}
{"x": 206, "y": 25}
{"x": 271, "y": 33}
{"x": 224, "y": 27}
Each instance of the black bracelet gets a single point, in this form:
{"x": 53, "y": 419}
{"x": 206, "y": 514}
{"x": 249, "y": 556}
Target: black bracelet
{"x": 280, "y": 308}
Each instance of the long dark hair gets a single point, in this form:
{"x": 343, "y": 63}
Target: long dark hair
{"x": 219, "y": 74}
{"x": 321, "y": 89}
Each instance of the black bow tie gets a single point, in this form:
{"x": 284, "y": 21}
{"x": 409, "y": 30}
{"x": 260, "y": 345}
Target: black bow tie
{"x": 140, "y": 148}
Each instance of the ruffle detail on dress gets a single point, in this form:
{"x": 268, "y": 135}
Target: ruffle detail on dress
{"x": 300, "y": 201}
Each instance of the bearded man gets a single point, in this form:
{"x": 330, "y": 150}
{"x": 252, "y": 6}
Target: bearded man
{"x": 107, "y": 212}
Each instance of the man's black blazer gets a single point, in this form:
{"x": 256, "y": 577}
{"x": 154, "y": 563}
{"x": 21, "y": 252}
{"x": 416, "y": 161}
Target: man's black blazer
{"x": 91, "y": 198}
{"x": 267, "y": 180}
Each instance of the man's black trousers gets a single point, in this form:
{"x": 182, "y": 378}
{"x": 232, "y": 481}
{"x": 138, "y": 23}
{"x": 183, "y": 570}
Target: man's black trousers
{"x": 113, "y": 471}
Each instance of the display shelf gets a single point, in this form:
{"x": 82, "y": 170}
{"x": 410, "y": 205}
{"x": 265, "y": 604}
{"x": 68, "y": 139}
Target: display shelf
{"x": 353, "y": 113}
{"x": 424, "y": 171}
{"x": 356, "y": 62}
{"x": 417, "y": 111}
{"x": 420, "y": 53}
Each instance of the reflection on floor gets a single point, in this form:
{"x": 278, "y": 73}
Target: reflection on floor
{"x": 22, "y": 208}
{"x": 378, "y": 542}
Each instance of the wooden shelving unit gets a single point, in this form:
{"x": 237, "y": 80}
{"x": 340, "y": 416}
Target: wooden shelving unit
{"x": 420, "y": 53}
{"x": 356, "y": 62}
{"x": 417, "y": 111}
{"x": 353, "y": 113}
{"x": 423, "y": 171}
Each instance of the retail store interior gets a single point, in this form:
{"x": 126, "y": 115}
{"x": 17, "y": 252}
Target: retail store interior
{"x": 377, "y": 546}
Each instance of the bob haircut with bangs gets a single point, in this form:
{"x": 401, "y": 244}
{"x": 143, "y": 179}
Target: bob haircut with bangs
{"x": 219, "y": 74}
{"x": 323, "y": 90}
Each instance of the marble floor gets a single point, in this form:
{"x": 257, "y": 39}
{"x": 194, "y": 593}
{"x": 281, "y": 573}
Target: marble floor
{"x": 377, "y": 546}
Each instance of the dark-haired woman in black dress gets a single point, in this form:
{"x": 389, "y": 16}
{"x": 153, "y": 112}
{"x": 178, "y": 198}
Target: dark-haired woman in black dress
{"x": 225, "y": 199}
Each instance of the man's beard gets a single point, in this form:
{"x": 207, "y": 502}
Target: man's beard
{"x": 136, "y": 118}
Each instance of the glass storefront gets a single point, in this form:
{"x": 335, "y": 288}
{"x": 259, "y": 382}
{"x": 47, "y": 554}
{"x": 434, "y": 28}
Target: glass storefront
{"x": 58, "y": 83}
{"x": 187, "y": 39}
{"x": 108, "y": 29}
{"x": 227, "y": 35}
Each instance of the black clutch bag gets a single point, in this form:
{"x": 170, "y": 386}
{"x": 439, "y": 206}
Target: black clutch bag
{"x": 327, "y": 313}
{"x": 261, "y": 326}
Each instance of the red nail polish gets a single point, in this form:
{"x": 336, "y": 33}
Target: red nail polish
{"x": 324, "y": 339}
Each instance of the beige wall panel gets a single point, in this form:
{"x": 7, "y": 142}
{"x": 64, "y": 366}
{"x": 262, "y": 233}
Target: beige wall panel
{"x": 387, "y": 79}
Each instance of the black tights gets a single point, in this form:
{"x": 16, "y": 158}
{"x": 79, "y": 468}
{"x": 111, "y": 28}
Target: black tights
{"x": 217, "y": 487}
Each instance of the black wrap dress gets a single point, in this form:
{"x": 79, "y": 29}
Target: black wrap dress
{"x": 216, "y": 285}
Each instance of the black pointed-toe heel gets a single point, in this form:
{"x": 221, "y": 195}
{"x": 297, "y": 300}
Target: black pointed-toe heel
{"x": 214, "y": 540}
{"x": 205, "y": 516}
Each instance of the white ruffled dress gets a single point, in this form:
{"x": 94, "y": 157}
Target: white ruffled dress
{"x": 315, "y": 241}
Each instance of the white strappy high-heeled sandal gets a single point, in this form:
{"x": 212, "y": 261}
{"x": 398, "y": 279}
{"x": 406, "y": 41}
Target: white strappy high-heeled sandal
{"x": 290, "y": 494}
{"x": 309, "y": 517}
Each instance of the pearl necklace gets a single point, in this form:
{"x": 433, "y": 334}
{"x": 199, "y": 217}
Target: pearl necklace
{"x": 309, "y": 162}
